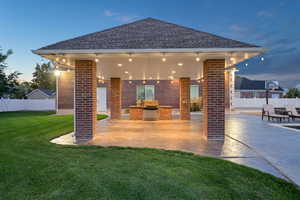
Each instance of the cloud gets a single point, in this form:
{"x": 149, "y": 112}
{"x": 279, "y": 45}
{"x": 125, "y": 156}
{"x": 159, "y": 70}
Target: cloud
{"x": 127, "y": 18}
{"x": 264, "y": 13}
{"x": 119, "y": 17}
{"x": 109, "y": 13}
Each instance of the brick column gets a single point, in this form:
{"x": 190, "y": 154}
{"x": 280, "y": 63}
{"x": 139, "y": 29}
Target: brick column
{"x": 227, "y": 89}
{"x": 115, "y": 98}
{"x": 65, "y": 91}
{"x": 214, "y": 99}
{"x": 85, "y": 100}
{"x": 184, "y": 93}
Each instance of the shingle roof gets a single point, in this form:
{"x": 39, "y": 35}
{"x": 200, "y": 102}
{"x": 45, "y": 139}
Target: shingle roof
{"x": 47, "y": 91}
{"x": 242, "y": 83}
{"x": 148, "y": 33}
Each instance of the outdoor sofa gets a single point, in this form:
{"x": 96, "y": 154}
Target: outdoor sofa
{"x": 270, "y": 112}
{"x": 293, "y": 112}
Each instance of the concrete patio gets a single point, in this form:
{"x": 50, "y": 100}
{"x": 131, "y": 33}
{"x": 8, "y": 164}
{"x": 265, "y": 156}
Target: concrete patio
{"x": 249, "y": 141}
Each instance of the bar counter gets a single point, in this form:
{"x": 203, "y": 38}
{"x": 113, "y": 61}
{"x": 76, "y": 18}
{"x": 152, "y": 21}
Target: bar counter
{"x": 136, "y": 112}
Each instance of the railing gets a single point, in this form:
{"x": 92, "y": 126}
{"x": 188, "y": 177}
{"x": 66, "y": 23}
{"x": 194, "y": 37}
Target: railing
{"x": 259, "y": 102}
{"x": 26, "y": 104}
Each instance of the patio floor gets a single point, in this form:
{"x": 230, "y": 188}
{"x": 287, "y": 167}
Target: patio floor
{"x": 247, "y": 141}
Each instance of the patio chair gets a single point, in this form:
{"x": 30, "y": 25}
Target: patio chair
{"x": 269, "y": 111}
{"x": 293, "y": 113}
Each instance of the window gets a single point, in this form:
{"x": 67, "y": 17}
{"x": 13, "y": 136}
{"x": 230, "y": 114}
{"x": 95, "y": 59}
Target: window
{"x": 145, "y": 92}
{"x": 194, "y": 91}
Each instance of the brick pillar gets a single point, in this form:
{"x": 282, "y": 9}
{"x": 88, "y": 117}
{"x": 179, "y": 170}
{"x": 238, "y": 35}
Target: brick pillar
{"x": 184, "y": 93}
{"x": 65, "y": 91}
{"x": 115, "y": 98}
{"x": 85, "y": 100}
{"x": 214, "y": 99}
{"x": 227, "y": 89}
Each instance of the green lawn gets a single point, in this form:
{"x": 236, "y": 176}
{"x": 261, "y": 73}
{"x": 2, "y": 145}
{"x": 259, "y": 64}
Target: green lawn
{"x": 33, "y": 168}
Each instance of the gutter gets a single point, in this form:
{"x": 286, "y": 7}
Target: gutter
{"x": 176, "y": 50}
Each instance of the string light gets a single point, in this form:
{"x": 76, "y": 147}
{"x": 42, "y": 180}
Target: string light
{"x": 130, "y": 59}
{"x": 126, "y": 72}
{"x": 180, "y": 64}
{"x": 120, "y": 65}
{"x": 164, "y": 59}
{"x": 262, "y": 58}
{"x": 197, "y": 59}
{"x": 157, "y": 82}
{"x": 96, "y": 60}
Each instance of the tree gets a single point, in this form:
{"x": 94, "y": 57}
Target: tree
{"x": 21, "y": 90}
{"x": 292, "y": 93}
{"x": 8, "y": 83}
{"x": 43, "y": 77}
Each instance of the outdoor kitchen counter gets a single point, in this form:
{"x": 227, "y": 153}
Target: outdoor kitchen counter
{"x": 136, "y": 112}
{"x": 165, "y": 112}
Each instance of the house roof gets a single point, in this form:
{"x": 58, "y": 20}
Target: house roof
{"x": 242, "y": 83}
{"x": 45, "y": 91}
{"x": 147, "y": 33}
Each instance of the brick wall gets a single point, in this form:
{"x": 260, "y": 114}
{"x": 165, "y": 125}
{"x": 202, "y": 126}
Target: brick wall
{"x": 85, "y": 100}
{"x": 214, "y": 99}
{"x": 184, "y": 95}
{"x": 66, "y": 90}
{"x": 115, "y": 98}
{"x": 166, "y": 92}
{"x": 227, "y": 89}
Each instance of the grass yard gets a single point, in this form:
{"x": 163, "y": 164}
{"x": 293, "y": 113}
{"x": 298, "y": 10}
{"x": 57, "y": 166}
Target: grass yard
{"x": 33, "y": 168}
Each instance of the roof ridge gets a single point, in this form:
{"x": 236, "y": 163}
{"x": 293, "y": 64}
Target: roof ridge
{"x": 127, "y": 35}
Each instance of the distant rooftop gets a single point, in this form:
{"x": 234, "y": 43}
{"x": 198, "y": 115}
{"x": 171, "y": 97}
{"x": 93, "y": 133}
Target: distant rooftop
{"x": 242, "y": 83}
{"x": 148, "y": 33}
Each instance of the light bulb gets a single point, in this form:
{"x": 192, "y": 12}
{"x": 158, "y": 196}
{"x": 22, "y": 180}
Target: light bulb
{"x": 180, "y": 64}
{"x": 164, "y": 59}
{"x": 56, "y": 72}
{"x": 197, "y": 59}
{"x": 120, "y": 65}
{"x": 130, "y": 59}
{"x": 96, "y": 60}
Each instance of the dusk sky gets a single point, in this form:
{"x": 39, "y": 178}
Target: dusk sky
{"x": 31, "y": 24}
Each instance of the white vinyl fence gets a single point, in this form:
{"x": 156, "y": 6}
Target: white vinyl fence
{"x": 259, "y": 102}
{"x": 26, "y": 104}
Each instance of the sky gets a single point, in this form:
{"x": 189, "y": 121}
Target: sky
{"x": 26, "y": 25}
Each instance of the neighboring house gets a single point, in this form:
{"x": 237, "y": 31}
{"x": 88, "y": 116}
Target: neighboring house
{"x": 246, "y": 88}
{"x": 41, "y": 94}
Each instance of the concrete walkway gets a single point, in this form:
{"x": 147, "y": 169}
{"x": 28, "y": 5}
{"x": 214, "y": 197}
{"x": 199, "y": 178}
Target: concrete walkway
{"x": 249, "y": 141}
{"x": 280, "y": 146}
